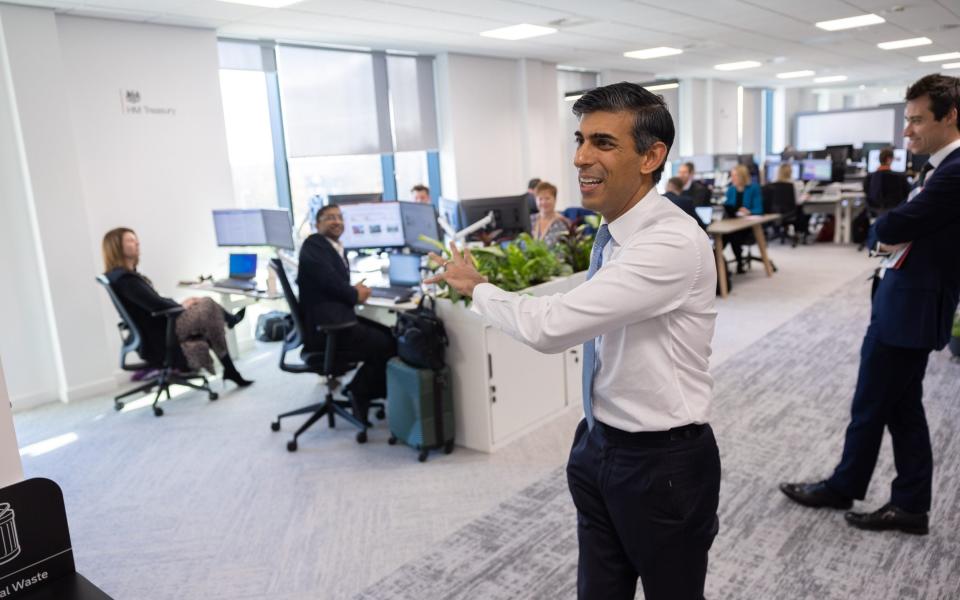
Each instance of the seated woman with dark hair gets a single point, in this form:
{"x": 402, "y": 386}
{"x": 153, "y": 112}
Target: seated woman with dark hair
{"x": 199, "y": 328}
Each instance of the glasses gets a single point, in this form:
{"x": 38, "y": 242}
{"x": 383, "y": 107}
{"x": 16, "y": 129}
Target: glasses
{"x": 332, "y": 218}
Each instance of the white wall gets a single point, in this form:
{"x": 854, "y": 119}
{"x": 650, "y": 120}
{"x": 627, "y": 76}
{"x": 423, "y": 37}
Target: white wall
{"x": 11, "y": 469}
{"x": 88, "y": 164}
{"x": 543, "y": 148}
{"x": 752, "y": 121}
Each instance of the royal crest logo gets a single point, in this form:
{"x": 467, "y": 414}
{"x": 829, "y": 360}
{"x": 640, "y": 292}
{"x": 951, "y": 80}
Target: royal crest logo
{"x": 133, "y": 96}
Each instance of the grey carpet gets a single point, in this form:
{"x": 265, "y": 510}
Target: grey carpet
{"x": 780, "y": 410}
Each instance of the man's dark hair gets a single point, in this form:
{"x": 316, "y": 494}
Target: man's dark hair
{"x": 652, "y": 122}
{"x": 886, "y": 155}
{"x": 533, "y": 183}
{"x": 690, "y": 167}
{"x": 420, "y": 188}
{"x": 325, "y": 209}
{"x": 944, "y": 93}
{"x": 675, "y": 182}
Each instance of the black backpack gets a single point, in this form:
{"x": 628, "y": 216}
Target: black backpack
{"x": 421, "y": 337}
{"x": 273, "y": 326}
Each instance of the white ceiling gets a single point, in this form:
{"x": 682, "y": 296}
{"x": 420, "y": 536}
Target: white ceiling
{"x": 593, "y": 33}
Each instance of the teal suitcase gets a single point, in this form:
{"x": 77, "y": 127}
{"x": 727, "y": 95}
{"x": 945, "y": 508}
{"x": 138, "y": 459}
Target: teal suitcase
{"x": 420, "y": 407}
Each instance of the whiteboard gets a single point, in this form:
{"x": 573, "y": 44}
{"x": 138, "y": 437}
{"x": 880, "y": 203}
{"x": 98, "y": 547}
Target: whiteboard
{"x": 816, "y": 131}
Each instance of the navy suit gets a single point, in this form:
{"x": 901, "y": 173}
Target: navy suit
{"x": 327, "y": 298}
{"x": 912, "y": 313}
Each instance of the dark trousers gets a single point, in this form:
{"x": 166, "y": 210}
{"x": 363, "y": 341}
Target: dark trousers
{"x": 888, "y": 394}
{"x": 647, "y": 508}
{"x": 373, "y": 345}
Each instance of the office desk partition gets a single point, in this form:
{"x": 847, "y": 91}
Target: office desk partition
{"x": 718, "y": 229}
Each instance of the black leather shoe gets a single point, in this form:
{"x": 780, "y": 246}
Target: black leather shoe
{"x": 815, "y": 495}
{"x": 890, "y": 517}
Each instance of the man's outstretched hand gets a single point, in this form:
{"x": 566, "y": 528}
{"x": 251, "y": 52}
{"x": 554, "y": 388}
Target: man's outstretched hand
{"x": 458, "y": 272}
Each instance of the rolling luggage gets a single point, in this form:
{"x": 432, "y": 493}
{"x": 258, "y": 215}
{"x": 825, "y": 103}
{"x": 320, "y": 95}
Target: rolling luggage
{"x": 420, "y": 407}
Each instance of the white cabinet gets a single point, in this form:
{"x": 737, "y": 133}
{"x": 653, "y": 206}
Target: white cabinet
{"x": 501, "y": 387}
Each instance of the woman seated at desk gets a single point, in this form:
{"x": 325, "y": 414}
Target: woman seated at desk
{"x": 547, "y": 225}
{"x": 743, "y": 198}
{"x": 199, "y": 327}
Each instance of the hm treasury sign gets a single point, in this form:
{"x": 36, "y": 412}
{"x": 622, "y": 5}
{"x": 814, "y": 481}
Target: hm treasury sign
{"x": 131, "y": 104}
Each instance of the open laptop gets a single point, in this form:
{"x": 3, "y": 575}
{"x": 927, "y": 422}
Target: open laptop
{"x": 404, "y": 277}
{"x": 705, "y": 214}
{"x": 243, "y": 269}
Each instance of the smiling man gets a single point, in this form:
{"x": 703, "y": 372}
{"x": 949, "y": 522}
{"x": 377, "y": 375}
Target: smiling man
{"x": 644, "y": 470}
{"x": 912, "y": 312}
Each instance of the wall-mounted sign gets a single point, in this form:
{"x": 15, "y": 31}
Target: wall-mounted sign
{"x": 132, "y": 104}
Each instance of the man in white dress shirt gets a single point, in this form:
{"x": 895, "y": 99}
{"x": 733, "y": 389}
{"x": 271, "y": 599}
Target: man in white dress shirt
{"x": 644, "y": 470}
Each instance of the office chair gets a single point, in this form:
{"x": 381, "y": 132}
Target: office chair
{"x": 323, "y": 363}
{"x": 167, "y": 374}
{"x": 781, "y": 197}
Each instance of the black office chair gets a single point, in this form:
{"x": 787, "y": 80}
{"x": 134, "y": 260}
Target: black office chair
{"x": 167, "y": 374}
{"x": 781, "y": 197}
{"x": 747, "y": 240}
{"x": 323, "y": 363}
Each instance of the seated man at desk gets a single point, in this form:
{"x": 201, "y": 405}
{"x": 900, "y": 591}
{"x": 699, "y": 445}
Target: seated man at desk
{"x": 743, "y": 198}
{"x": 327, "y": 298}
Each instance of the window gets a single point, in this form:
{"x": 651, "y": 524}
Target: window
{"x": 410, "y": 169}
{"x": 249, "y": 141}
{"x": 325, "y": 175}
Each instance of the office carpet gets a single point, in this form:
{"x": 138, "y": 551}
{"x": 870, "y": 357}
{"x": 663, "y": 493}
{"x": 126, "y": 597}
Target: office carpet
{"x": 780, "y": 411}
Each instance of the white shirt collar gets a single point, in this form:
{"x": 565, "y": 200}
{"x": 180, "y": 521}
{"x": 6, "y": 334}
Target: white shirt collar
{"x": 937, "y": 157}
{"x": 336, "y": 245}
{"x": 633, "y": 219}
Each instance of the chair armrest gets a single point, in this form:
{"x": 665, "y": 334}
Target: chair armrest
{"x": 330, "y": 349}
{"x": 332, "y": 327}
{"x": 168, "y": 312}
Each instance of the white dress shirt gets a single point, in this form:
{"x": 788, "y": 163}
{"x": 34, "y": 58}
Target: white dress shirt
{"x": 339, "y": 248}
{"x": 651, "y": 304}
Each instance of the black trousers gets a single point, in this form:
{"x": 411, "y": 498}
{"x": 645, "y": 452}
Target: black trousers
{"x": 647, "y": 508}
{"x": 889, "y": 394}
{"x": 372, "y": 344}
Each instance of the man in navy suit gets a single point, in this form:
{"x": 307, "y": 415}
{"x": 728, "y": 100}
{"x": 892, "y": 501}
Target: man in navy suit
{"x": 326, "y": 297}
{"x": 913, "y": 308}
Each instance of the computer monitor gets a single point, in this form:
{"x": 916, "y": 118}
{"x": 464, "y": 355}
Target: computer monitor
{"x": 840, "y": 152}
{"x": 450, "y": 210}
{"x": 746, "y": 159}
{"x": 374, "y": 225}
{"x": 419, "y": 219}
{"x": 725, "y": 162}
{"x": 509, "y": 213}
{"x": 253, "y": 227}
{"x": 404, "y": 270}
{"x": 702, "y": 163}
{"x": 899, "y": 163}
{"x": 243, "y": 266}
{"x": 340, "y": 199}
{"x": 704, "y": 213}
{"x": 818, "y": 154}
{"x": 817, "y": 169}
{"x": 277, "y": 227}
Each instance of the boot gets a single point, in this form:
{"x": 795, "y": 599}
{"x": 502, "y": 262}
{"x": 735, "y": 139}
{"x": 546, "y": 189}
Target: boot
{"x": 232, "y": 319}
{"x": 230, "y": 372}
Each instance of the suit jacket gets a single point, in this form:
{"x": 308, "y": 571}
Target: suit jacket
{"x": 698, "y": 193}
{"x": 913, "y": 306}
{"x": 140, "y": 299}
{"x": 752, "y": 198}
{"x": 684, "y": 203}
{"x": 326, "y": 296}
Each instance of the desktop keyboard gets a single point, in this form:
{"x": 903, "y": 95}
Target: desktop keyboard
{"x": 237, "y": 284}
{"x": 391, "y": 292}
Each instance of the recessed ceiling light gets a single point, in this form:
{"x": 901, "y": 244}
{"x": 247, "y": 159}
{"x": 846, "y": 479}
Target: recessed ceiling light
{"x": 263, "y": 3}
{"x": 955, "y": 65}
{"x": 896, "y": 45}
{"x": 661, "y": 86}
{"x": 830, "y": 79}
{"x": 939, "y": 57}
{"x": 795, "y": 74}
{"x": 653, "y": 52}
{"x": 736, "y": 66}
{"x": 851, "y": 22}
{"x": 518, "y": 32}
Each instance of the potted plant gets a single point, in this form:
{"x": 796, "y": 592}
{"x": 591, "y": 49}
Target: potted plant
{"x": 955, "y": 336}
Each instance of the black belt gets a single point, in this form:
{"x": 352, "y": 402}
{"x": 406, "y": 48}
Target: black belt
{"x": 644, "y": 438}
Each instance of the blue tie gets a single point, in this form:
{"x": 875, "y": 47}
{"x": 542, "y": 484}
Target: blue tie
{"x": 590, "y": 348}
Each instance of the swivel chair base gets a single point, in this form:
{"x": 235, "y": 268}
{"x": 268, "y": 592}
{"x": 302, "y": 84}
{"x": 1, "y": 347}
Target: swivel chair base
{"x": 162, "y": 382}
{"x": 331, "y": 407}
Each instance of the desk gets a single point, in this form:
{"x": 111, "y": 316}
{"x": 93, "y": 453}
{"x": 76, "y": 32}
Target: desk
{"x": 842, "y": 206}
{"x": 718, "y": 229}
{"x": 232, "y": 299}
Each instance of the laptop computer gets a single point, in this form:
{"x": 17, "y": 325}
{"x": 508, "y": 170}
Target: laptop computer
{"x": 243, "y": 269}
{"x": 404, "y": 274}
{"x": 705, "y": 214}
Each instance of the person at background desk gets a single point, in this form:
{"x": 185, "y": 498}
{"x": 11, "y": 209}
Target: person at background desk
{"x": 327, "y": 298}
{"x": 674, "y": 193}
{"x": 743, "y": 199}
{"x": 531, "y": 194}
{"x": 199, "y": 328}
{"x": 697, "y": 191}
{"x": 885, "y": 188}
{"x": 420, "y": 193}
{"x": 547, "y": 225}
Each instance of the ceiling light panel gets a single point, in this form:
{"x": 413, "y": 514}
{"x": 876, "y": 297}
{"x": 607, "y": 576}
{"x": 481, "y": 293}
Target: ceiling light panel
{"x": 910, "y": 43}
{"x": 795, "y": 74}
{"x": 851, "y": 22}
{"x": 830, "y": 79}
{"x": 657, "y": 52}
{"x": 518, "y": 32}
{"x": 737, "y": 66}
{"x": 939, "y": 57}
